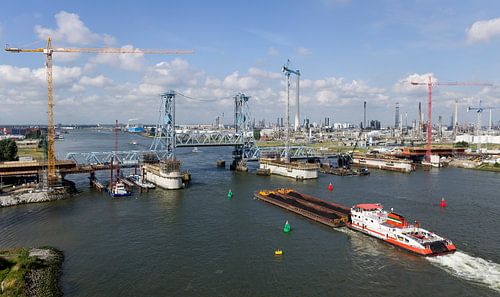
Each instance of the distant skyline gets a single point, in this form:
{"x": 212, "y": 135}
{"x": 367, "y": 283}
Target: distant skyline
{"x": 348, "y": 51}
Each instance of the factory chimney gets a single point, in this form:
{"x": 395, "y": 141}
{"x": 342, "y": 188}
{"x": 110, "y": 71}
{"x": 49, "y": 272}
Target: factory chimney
{"x": 364, "y": 115}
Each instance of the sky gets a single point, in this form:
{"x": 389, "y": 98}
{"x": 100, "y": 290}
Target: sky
{"x": 348, "y": 51}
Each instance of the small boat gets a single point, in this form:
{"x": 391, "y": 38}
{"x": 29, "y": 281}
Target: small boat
{"x": 278, "y": 252}
{"x": 119, "y": 190}
{"x": 373, "y": 220}
{"x": 133, "y": 142}
{"x": 139, "y": 181}
{"x": 195, "y": 150}
{"x": 364, "y": 171}
{"x": 58, "y": 136}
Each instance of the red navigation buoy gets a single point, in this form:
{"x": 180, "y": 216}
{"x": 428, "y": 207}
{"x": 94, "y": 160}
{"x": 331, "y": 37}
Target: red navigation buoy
{"x": 330, "y": 187}
{"x": 443, "y": 203}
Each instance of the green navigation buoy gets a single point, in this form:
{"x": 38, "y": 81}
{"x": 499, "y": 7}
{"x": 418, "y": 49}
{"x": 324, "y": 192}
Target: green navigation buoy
{"x": 229, "y": 194}
{"x": 287, "y": 227}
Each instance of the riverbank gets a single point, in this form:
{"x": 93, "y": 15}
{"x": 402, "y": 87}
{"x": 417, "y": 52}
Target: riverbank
{"x": 488, "y": 167}
{"x": 30, "y": 272}
{"x": 31, "y": 195}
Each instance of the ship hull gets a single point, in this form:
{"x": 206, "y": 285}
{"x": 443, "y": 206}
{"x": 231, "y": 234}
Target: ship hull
{"x": 440, "y": 249}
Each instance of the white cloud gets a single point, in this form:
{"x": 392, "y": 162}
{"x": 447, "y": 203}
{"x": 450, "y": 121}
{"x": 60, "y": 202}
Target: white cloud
{"x": 481, "y": 31}
{"x": 212, "y": 82}
{"x": 404, "y": 86}
{"x": 134, "y": 62}
{"x": 173, "y": 74}
{"x": 26, "y": 77}
{"x": 256, "y": 72}
{"x": 72, "y": 30}
{"x": 336, "y": 92}
{"x": 236, "y": 82}
{"x": 98, "y": 81}
{"x": 303, "y": 51}
{"x": 272, "y": 51}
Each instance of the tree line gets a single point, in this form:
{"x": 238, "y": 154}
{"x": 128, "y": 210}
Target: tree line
{"x": 8, "y": 150}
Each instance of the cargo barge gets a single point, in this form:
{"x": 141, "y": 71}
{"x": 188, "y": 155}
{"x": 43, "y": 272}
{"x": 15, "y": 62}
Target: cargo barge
{"x": 327, "y": 213}
{"x": 367, "y": 218}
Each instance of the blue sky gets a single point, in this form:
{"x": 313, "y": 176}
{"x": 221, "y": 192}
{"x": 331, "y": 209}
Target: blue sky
{"x": 347, "y": 51}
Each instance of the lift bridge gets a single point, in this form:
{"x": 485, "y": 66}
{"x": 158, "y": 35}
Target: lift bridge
{"x": 167, "y": 139}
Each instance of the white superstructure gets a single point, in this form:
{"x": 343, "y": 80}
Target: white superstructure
{"x": 373, "y": 220}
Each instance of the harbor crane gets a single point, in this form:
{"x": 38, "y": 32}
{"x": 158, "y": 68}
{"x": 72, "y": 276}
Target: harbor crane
{"x": 48, "y": 51}
{"x": 479, "y": 111}
{"x": 430, "y": 84}
{"x": 287, "y": 71}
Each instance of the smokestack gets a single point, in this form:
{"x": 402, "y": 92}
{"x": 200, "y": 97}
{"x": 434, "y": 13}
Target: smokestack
{"x": 364, "y": 116}
{"x": 396, "y": 120}
{"x": 419, "y": 118}
{"x": 489, "y": 128}
{"x": 455, "y": 118}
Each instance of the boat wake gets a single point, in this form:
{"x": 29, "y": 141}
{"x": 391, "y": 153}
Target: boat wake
{"x": 470, "y": 268}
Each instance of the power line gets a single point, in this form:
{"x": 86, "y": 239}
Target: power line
{"x": 202, "y": 99}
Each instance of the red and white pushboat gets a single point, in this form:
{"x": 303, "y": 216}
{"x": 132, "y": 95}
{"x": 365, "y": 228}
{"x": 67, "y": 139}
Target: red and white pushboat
{"x": 372, "y": 219}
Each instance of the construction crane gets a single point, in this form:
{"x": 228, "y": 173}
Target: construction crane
{"x": 430, "y": 84}
{"x": 479, "y": 110}
{"x": 48, "y": 51}
{"x": 287, "y": 71}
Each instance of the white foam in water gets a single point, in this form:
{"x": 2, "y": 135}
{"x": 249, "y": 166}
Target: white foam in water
{"x": 470, "y": 268}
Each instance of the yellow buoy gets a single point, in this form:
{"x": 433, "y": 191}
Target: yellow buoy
{"x": 278, "y": 252}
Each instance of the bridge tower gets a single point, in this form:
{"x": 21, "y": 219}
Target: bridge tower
{"x": 164, "y": 140}
{"x": 247, "y": 148}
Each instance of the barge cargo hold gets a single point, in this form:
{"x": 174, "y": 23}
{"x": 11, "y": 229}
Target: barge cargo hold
{"x": 327, "y": 213}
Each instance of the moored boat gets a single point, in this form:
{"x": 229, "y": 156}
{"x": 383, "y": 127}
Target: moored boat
{"x": 119, "y": 190}
{"x": 373, "y": 220}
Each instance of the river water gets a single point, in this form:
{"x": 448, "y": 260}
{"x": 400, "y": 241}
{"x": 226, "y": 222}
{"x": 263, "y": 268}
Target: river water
{"x": 198, "y": 242}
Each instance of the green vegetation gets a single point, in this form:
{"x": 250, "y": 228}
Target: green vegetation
{"x": 35, "y": 153}
{"x": 270, "y": 143}
{"x": 461, "y": 144}
{"x": 14, "y": 265}
{"x": 489, "y": 167}
{"x": 22, "y": 275}
{"x": 8, "y": 150}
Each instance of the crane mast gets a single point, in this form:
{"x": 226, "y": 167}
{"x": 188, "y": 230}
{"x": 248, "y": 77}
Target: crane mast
{"x": 48, "y": 51}
{"x": 51, "y": 159}
{"x": 287, "y": 71}
{"x": 430, "y": 84}
{"x": 479, "y": 110}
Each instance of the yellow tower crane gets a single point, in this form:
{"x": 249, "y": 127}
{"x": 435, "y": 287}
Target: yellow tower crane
{"x": 48, "y": 51}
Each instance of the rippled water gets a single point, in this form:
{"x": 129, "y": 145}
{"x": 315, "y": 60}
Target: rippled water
{"x": 198, "y": 242}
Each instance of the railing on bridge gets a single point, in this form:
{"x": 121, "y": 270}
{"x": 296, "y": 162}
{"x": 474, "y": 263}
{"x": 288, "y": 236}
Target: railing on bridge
{"x": 134, "y": 157}
{"x": 102, "y": 158}
{"x": 226, "y": 138}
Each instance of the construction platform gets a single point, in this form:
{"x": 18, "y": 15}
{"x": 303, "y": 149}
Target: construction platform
{"x": 34, "y": 168}
{"x": 330, "y": 214}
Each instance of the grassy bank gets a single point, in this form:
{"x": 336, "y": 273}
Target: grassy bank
{"x": 33, "y": 272}
{"x": 488, "y": 167}
{"x": 36, "y": 153}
